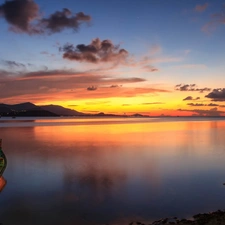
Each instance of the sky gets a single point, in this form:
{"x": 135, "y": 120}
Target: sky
{"x": 153, "y": 57}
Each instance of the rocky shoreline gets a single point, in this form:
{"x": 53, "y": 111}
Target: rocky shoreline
{"x": 212, "y": 218}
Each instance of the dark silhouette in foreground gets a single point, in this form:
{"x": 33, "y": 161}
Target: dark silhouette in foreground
{"x": 212, "y": 218}
{"x": 3, "y": 160}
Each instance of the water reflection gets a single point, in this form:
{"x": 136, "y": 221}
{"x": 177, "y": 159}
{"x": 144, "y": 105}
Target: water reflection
{"x": 96, "y": 174}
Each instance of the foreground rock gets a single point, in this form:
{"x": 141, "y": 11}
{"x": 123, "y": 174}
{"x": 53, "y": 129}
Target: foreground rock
{"x": 213, "y": 218}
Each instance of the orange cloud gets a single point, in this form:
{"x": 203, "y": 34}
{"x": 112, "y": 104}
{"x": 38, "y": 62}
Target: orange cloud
{"x": 61, "y": 85}
{"x": 216, "y": 20}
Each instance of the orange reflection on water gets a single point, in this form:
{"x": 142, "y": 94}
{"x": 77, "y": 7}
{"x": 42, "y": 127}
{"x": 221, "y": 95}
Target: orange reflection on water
{"x": 134, "y": 149}
{"x": 101, "y": 154}
{"x": 103, "y": 133}
{"x": 159, "y": 135}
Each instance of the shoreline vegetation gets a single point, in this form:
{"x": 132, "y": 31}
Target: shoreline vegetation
{"x": 211, "y": 218}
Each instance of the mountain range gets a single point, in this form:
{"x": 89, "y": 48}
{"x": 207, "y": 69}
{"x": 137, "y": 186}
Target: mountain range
{"x": 28, "y": 109}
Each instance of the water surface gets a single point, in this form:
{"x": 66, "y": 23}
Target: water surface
{"x": 111, "y": 171}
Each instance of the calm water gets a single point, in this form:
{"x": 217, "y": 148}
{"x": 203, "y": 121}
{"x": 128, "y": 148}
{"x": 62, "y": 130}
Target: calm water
{"x": 111, "y": 171}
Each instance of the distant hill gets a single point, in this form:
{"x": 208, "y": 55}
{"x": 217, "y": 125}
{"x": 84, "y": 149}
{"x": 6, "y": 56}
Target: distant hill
{"x": 17, "y": 107}
{"x": 25, "y": 106}
{"x": 61, "y": 111}
{"x": 4, "y": 108}
{"x": 27, "y": 109}
{"x": 23, "y": 109}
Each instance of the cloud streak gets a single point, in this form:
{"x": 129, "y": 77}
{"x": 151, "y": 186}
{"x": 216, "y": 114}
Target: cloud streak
{"x": 152, "y": 103}
{"x": 201, "y": 112}
{"x": 216, "y": 20}
{"x": 60, "y": 85}
{"x": 13, "y": 64}
{"x": 201, "y": 104}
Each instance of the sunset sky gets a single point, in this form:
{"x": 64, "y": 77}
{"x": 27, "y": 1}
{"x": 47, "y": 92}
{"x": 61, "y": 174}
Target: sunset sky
{"x": 154, "y": 57}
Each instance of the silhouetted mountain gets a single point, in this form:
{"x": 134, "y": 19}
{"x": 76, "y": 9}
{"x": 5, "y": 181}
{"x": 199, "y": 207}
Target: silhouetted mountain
{"x": 139, "y": 115}
{"x": 17, "y": 107}
{"x": 30, "y": 109}
{"x": 4, "y": 108}
{"x": 23, "y": 109}
{"x": 61, "y": 111}
{"x": 25, "y": 106}
{"x": 107, "y": 115}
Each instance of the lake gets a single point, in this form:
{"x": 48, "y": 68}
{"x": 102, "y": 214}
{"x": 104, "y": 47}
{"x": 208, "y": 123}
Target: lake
{"x": 111, "y": 170}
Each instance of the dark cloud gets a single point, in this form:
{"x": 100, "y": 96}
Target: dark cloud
{"x": 217, "y": 94}
{"x": 190, "y": 98}
{"x": 92, "y": 88}
{"x": 13, "y": 64}
{"x": 24, "y": 16}
{"x": 190, "y": 87}
{"x": 61, "y": 20}
{"x": 212, "y": 104}
{"x": 200, "y": 112}
{"x": 115, "y": 86}
{"x": 201, "y": 90}
{"x": 201, "y": 104}
{"x": 20, "y": 14}
{"x": 97, "y": 51}
{"x": 185, "y": 87}
{"x": 201, "y": 8}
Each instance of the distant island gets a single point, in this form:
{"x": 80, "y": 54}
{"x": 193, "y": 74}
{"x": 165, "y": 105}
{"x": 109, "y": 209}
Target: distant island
{"x": 28, "y": 109}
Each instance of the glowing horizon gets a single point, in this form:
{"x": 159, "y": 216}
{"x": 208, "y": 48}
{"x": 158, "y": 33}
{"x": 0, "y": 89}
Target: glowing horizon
{"x": 154, "y": 59}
